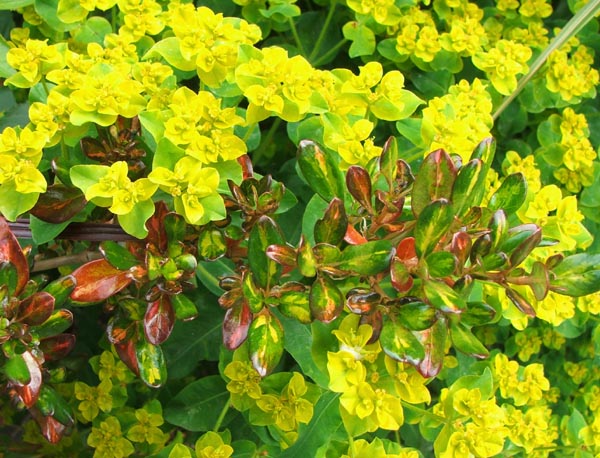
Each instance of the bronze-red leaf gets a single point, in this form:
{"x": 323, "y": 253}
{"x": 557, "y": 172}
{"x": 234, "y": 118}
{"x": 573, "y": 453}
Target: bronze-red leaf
{"x": 58, "y": 204}
{"x": 10, "y": 251}
{"x": 30, "y": 392}
{"x": 236, "y": 324}
{"x": 57, "y": 347}
{"x": 159, "y": 320}
{"x": 98, "y": 280}
{"x": 36, "y": 309}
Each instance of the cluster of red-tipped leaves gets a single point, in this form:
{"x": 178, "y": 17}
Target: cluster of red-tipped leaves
{"x": 32, "y": 334}
{"x": 157, "y": 269}
{"x": 403, "y": 251}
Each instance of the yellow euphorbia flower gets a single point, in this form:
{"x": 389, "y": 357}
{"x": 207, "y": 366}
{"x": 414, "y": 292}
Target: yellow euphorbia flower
{"x": 190, "y": 184}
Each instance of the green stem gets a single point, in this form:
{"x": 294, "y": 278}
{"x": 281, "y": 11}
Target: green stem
{"x": 577, "y": 22}
{"x": 266, "y": 142}
{"x": 113, "y": 18}
{"x": 296, "y": 37}
{"x": 222, "y": 416}
{"x": 397, "y": 436}
{"x": 332, "y": 52}
{"x": 321, "y": 37}
{"x": 408, "y": 406}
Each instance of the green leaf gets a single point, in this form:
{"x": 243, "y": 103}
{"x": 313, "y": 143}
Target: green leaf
{"x": 118, "y": 256}
{"x": 467, "y": 186}
{"x": 441, "y": 264}
{"x": 577, "y": 275}
{"x": 400, "y": 343}
{"x": 198, "y": 405}
{"x": 211, "y": 244}
{"x": 326, "y": 300}
{"x": 51, "y": 404}
{"x": 388, "y": 159}
{"x": 265, "y": 343}
{"x": 14, "y": 4}
{"x": 59, "y": 321}
{"x": 511, "y": 194}
{"x": 416, "y": 316}
{"x": 48, "y": 10}
{"x": 168, "y": 48}
{"x": 151, "y": 363}
{"x": 442, "y": 297}
{"x": 367, "y": 259}
{"x": 178, "y": 451}
{"x": 362, "y": 38}
{"x": 13, "y": 203}
{"x": 434, "y": 343}
{"x": 295, "y": 304}
{"x": 477, "y": 314}
{"x": 298, "y": 338}
{"x": 184, "y": 308}
{"x": 464, "y": 341}
{"x": 264, "y": 233}
{"x": 93, "y": 31}
{"x": 332, "y": 227}
{"x": 325, "y": 425}
{"x": 432, "y": 224}
{"x": 434, "y": 180}
{"x": 42, "y": 232}
{"x": 134, "y": 222}
{"x": 320, "y": 170}
{"x": 16, "y": 369}
{"x": 254, "y": 296}
{"x": 484, "y": 151}
{"x": 209, "y": 273}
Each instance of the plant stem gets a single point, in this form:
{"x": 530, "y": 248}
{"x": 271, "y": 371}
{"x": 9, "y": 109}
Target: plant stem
{"x": 321, "y": 37}
{"x": 257, "y": 156}
{"x": 296, "y": 37}
{"x": 577, "y": 22}
{"x": 222, "y": 416}
{"x": 333, "y": 51}
{"x": 53, "y": 263}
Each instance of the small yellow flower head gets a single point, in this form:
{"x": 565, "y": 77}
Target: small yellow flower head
{"x": 577, "y": 371}
{"x": 503, "y": 63}
{"x": 377, "y": 407}
{"x": 147, "y": 428}
{"x": 363, "y": 449}
{"x": 535, "y": 8}
{"x": 529, "y": 343}
{"x": 353, "y": 339}
{"x": 211, "y": 445}
{"x": 428, "y": 44}
{"x": 33, "y": 61}
{"x": 472, "y": 440}
{"x": 570, "y": 79}
{"x": 190, "y": 184}
{"x": 506, "y": 5}
{"x": 532, "y": 429}
{"x": 513, "y": 163}
{"x": 93, "y": 399}
{"x": 244, "y": 384}
{"x": 544, "y": 202}
{"x": 458, "y": 121}
{"x": 385, "y": 12}
{"x": 589, "y": 304}
{"x": 409, "y": 384}
{"x": 108, "y": 440}
{"x": 344, "y": 370}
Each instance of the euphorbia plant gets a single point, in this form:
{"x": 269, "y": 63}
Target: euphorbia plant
{"x": 353, "y": 296}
